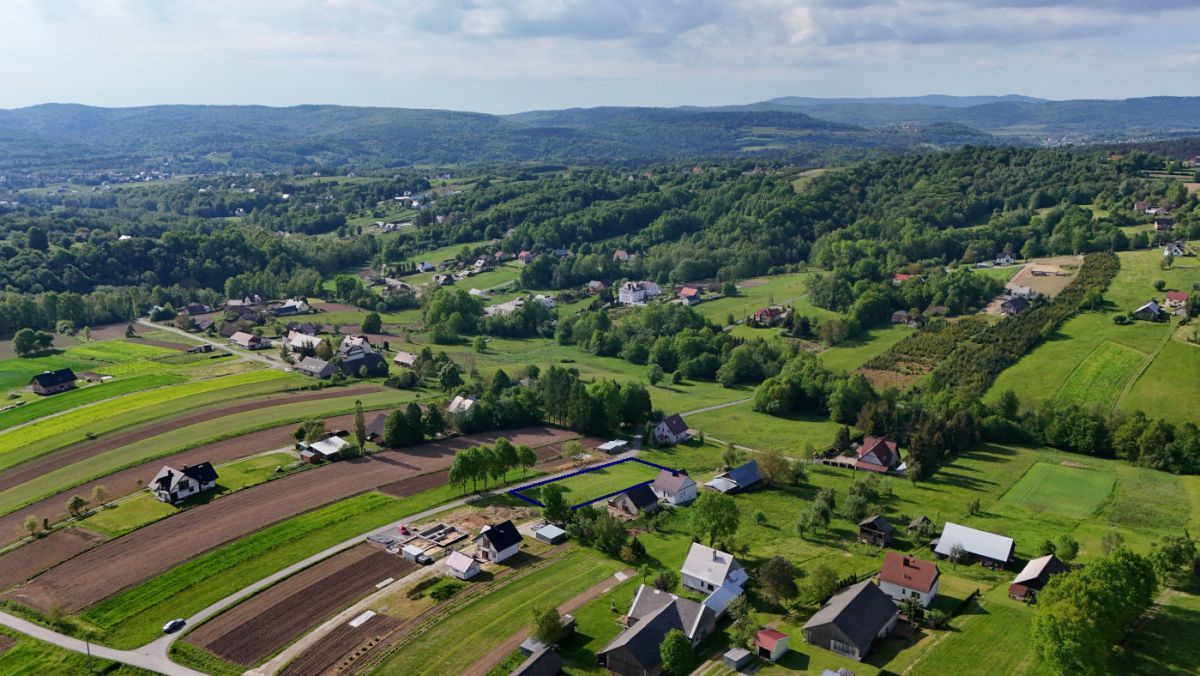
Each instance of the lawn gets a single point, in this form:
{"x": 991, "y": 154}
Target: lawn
{"x": 851, "y": 354}
{"x": 183, "y": 438}
{"x": 1073, "y": 492}
{"x": 136, "y": 616}
{"x": 597, "y": 483}
{"x": 475, "y": 627}
{"x": 1168, "y": 387}
{"x": 143, "y": 508}
{"x": 1176, "y": 625}
{"x": 744, "y": 426}
{"x": 30, "y": 657}
{"x": 758, "y": 293}
{"x": 44, "y": 406}
{"x": 26, "y": 443}
{"x": 1100, "y": 377}
{"x": 991, "y": 637}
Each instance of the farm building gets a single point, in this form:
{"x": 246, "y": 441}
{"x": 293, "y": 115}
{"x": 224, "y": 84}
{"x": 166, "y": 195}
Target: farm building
{"x": 425, "y": 266}
{"x": 1164, "y": 224}
{"x": 550, "y": 534}
{"x": 544, "y": 662}
{"x": 1013, "y": 305}
{"x": 294, "y": 306}
{"x": 1034, "y": 576}
{"x": 194, "y": 309}
{"x": 690, "y": 295}
{"x": 358, "y": 362}
{"x": 991, "y": 550}
{"x": 877, "y": 454}
{"x": 613, "y": 447}
{"x": 317, "y": 368}
{"x": 903, "y": 577}
{"x": 671, "y": 430}
{"x": 635, "y": 501}
{"x": 460, "y": 404}
{"x": 173, "y": 485}
{"x": 852, "y": 620}
{"x": 706, "y": 569}
{"x": 301, "y": 342}
{"x": 738, "y": 479}
{"x": 875, "y": 530}
{"x": 771, "y": 644}
{"x": 325, "y": 449}
{"x": 919, "y": 523}
{"x": 635, "y": 651}
{"x": 462, "y": 566}
{"x": 498, "y": 542}
{"x": 306, "y": 328}
{"x": 737, "y": 658}
{"x": 53, "y": 382}
{"x": 597, "y": 285}
{"x": 674, "y": 487}
{"x": 1150, "y": 311}
{"x": 406, "y": 359}
{"x": 250, "y": 341}
{"x": 900, "y": 317}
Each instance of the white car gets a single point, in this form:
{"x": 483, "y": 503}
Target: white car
{"x": 174, "y": 625}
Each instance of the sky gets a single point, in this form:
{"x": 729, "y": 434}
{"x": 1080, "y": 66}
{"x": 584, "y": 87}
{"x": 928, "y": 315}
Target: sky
{"x": 507, "y": 56}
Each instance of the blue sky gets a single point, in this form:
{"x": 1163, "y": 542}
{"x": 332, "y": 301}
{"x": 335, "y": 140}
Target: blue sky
{"x": 496, "y": 56}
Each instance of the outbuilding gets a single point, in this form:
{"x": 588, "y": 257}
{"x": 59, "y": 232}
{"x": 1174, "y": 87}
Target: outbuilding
{"x": 462, "y": 566}
{"x": 771, "y": 644}
{"x": 550, "y": 534}
{"x": 738, "y": 658}
{"x": 53, "y": 382}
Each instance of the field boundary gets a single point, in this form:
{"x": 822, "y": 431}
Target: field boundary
{"x": 516, "y": 492}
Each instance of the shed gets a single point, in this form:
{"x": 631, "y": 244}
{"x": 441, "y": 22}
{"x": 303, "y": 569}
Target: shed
{"x": 544, "y": 662}
{"x": 462, "y": 566}
{"x": 612, "y": 447}
{"x": 550, "y": 534}
{"x": 771, "y": 644}
{"x": 738, "y": 658}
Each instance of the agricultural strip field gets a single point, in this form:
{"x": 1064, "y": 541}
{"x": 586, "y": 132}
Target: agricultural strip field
{"x": 126, "y": 481}
{"x": 66, "y": 469}
{"x": 100, "y": 572}
{"x": 596, "y": 483}
{"x": 41, "y": 437}
{"x": 482, "y": 623}
{"x": 257, "y": 628}
{"x": 1099, "y": 378}
{"x": 41, "y": 408}
{"x": 17, "y": 371}
{"x": 1058, "y": 489}
{"x": 1168, "y": 387}
{"x": 29, "y": 560}
{"x": 851, "y": 354}
{"x": 328, "y": 650}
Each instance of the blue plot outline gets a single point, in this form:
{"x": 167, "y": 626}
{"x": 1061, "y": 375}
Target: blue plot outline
{"x": 516, "y": 492}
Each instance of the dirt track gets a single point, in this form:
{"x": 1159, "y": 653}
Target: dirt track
{"x": 124, "y": 482}
{"x": 35, "y": 468}
{"x": 252, "y": 631}
{"x": 117, "y": 564}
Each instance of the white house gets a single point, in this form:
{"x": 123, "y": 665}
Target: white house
{"x": 706, "y": 569}
{"x": 499, "y": 542}
{"x": 674, "y": 487}
{"x": 462, "y": 566}
{"x": 1175, "y": 249}
{"x": 173, "y": 485}
{"x": 1004, "y": 259}
{"x": 426, "y": 266}
{"x": 632, "y": 293}
{"x": 460, "y": 404}
{"x": 671, "y": 430}
{"x": 298, "y": 342}
{"x": 904, "y": 577}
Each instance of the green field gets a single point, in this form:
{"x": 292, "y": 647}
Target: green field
{"x": 1073, "y": 492}
{"x": 1164, "y": 390}
{"x": 31, "y": 657}
{"x": 183, "y": 438}
{"x": 484, "y": 622}
{"x": 758, "y": 293}
{"x": 1100, "y": 377}
{"x": 851, "y": 354}
{"x": 600, "y": 482}
{"x": 42, "y": 407}
{"x": 1177, "y": 624}
{"x": 136, "y": 616}
{"x": 743, "y": 425}
{"x": 143, "y": 508}
{"x": 43, "y": 436}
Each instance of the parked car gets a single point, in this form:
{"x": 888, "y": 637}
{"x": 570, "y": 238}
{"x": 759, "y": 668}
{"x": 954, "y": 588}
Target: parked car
{"x": 174, "y": 625}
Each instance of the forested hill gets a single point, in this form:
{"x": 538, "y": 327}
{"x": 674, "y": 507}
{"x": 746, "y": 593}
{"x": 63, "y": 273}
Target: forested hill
{"x": 1077, "y": 120}
{"x": 57, "y": 137}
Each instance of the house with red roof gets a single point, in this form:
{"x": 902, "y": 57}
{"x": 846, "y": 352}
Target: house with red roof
{"x": 878, "y": 454}
{"x": 904, "y": 577}
{"x": 901, "y": 277}
{"x": 1176, "y": 299}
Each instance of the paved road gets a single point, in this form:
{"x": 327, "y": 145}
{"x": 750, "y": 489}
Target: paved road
{"x": 222, "y": 345}
{"x": 152, "y": 656}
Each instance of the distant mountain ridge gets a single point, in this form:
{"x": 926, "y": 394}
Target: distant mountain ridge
{"x": 940, "y": 100}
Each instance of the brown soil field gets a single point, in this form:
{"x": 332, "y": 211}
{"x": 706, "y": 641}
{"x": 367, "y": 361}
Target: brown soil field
{"x": 259, "y": 627}
{"x": 29, "y": 560}
{"x": 117, "y": 564}
{"x": 7, "y": 641}
{"x": 882, "y": 380}
{"x": 170, "y": 345}
{"x": 329, "y": 649}
{"x": 124, "y": 482}
{"x": 78, "y": 452}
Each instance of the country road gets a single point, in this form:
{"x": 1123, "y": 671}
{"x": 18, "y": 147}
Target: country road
{"x": 244, "y": 354}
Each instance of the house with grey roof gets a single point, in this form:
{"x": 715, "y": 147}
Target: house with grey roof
{"x": 316, "y": 368}
{"x": 635, "y": 651}
{"x": 671, "y": 430}
{"x": 738, "y": 479}
{"x": 852, "y": 620}
{"x": 634, "y": 502}
{"x": 991, "y": 550}
{"x": 174, "y": 485}
{"x": 674, "y": 487}
{"x": 706, "y": 569}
